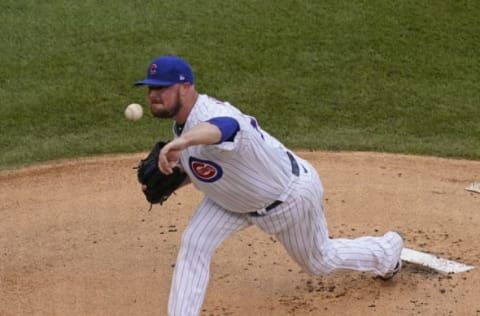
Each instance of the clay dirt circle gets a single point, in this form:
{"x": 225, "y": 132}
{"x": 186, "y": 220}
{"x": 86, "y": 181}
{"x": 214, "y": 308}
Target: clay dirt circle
{"x": 76, "y": 238}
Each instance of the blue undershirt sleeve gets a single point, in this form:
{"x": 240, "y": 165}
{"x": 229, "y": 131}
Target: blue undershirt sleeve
{"x": 227, "y": 125}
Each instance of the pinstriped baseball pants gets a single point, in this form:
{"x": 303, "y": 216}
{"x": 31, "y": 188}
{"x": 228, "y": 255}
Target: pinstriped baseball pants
{"x": 298, "y": 223}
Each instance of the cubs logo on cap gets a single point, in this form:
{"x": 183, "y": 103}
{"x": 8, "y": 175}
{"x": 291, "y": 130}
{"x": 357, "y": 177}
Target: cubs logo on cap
{"x": 166, "y": 71}
{"x": 205, "y": 170}
{"x": 153, "y": 69}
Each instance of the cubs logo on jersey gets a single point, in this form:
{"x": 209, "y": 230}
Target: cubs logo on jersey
{"x": 205, "y": 170}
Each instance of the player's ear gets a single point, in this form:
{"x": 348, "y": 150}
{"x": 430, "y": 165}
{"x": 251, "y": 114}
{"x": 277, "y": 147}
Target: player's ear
{"x": 185, "y": 88}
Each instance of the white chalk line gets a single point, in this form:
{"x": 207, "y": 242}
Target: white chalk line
{"x": 474, "y": 187}
{"x": 434, "y": 262}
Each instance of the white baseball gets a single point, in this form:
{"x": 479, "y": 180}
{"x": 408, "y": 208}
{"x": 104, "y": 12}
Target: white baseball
{"x": 134, "y": 112}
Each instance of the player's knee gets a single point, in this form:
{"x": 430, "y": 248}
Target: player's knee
{"x": 318, "y": 267}
{"x": 195, "y": 244}
{"x": 190, "y": 240}
{"x": 318, "y": 263}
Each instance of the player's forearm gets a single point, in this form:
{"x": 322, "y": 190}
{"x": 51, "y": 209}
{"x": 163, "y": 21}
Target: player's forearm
{"x": 201, "y": 134}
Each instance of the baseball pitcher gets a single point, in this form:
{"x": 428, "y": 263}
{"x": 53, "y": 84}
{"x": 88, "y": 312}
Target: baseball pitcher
{"x": 248, "y": 178}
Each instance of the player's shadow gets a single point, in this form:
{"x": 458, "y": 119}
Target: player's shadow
{"x": 413, "y": 268}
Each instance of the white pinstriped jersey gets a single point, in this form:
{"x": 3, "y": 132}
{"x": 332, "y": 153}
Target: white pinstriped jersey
{"x": 245, "y": 175}
{"x": 240, "y": 178}
{"x": 242, "y": 175}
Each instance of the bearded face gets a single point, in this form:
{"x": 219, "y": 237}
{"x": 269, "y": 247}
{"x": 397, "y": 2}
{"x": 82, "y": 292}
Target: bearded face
{"x": 165, "y": 102}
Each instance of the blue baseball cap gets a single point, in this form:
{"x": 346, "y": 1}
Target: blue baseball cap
{"x": 165, "y": 71}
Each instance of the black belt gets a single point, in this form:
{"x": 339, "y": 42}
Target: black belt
{"x": 295, "y": 171}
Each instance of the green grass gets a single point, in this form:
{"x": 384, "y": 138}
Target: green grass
{"x": 394, "y": 76}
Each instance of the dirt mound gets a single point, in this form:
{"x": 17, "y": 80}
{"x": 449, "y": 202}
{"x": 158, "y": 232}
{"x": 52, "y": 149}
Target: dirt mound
{"x": 76, "y": 238}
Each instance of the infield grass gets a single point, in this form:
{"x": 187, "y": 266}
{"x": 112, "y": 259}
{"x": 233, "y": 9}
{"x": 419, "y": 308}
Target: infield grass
{"x": 393, "y": 76}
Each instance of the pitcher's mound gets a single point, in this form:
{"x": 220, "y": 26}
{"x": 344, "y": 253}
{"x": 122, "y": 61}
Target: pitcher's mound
{"x": 76, "y": 238}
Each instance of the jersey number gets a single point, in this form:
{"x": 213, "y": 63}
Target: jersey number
{"x": 254, "y": 123}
